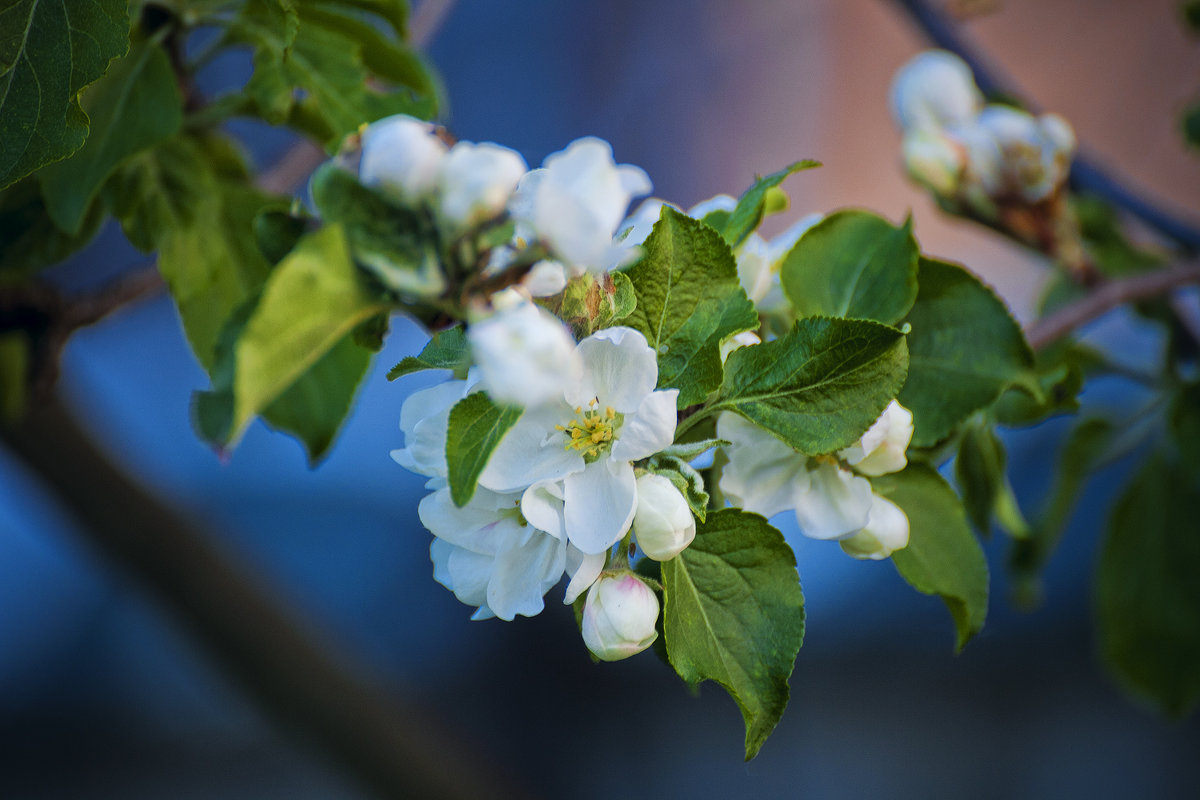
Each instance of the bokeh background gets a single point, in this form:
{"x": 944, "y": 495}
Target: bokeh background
{"x": 103, "y": 695}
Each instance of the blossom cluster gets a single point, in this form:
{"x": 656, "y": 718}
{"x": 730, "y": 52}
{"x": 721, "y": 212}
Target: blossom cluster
{"x": 969, "y": 151}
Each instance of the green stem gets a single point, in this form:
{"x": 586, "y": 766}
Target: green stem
{"x": 704, "y": 412}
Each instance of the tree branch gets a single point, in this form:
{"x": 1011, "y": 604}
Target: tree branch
{"x": 1086, "y": 176}
{"x": 1105, "y": 298}
{"x": 394, "y": 748}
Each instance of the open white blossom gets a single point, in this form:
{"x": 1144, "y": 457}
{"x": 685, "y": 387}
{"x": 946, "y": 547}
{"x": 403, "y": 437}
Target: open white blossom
{"x": 475, "y": 182}
{"x": 663, "y": 523}
{"x": 882, "y": 448}
{"x": 526, "y": 356}
{"x": 424, "y": 417}
{"x": 576, "y": 202}
{"x": 619, "y": 617}
{"x": 932, "y": 90}
{"x": 587, "y": 439}
{"x": 759, "y": 262}
{"x": 401, "y": 156}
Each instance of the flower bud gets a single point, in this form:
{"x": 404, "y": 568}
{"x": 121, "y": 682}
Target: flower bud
{"x": 525, "y": 354}
{"x": 401, "y": 156}
{"x": 882, "y": 448}
{"x": 476, "y": 182}
{"x": 663, "y": 522}
{"x": 934, "y": 159}
{"x": 933, "y": 90}
{"x": 619, "y": 616}
{"x": 886, "y": 532}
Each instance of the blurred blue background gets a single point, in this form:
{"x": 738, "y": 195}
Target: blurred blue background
{"x": 102, "y": 696}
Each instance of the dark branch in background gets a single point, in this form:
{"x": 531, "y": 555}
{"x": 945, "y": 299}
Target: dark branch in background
{"x": 1105, "y": 298}
{"x": 394, "y": 749}
{"x": 1086, "y": 177}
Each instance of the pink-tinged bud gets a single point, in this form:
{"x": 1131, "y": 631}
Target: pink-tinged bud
{"x": 619, "y": 616}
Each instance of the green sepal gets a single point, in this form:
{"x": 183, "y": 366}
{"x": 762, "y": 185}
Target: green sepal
{"x": 685, "y": 478}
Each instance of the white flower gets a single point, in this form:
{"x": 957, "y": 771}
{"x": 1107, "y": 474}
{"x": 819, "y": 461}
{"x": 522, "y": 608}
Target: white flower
{"x": 636, "y": 228}
{"x": 525, "y": 354}
{"x": 885, "y": 533}
{"x": 1035, "y": 151}
{"x": 759, "y": 263}
{"x": 619, "y": 617}
{"x": 737, "y": 341}
{"x": 475, "y": 182}
{"x": 424, "y": 417}
{"x": 833, "y": 503}
{"x": 401, "y": 156}
{"x": 935, "y": 159}
{"x": 721, "y": 202}
{"x": 587, "y": 439}
{"x": 934, "y": 89}
{"x": 576, "y": 201}
{"x": 663, "y": 524}
{"x": 545, "y": 279}
{"x": 882, "y": 448}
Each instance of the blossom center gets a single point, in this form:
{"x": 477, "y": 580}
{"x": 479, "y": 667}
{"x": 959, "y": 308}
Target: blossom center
{"x": 593, "y": 430}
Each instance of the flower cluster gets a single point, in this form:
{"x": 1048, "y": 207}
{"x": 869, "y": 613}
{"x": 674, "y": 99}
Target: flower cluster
{"x": 830, "y": 496}
{"x": 974, "y": 153}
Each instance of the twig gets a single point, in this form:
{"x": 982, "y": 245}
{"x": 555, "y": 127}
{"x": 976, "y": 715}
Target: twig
{"x": 1086, "y": 176}
{"x": 396, "y": 748}
{"x": 1106, "y": 297}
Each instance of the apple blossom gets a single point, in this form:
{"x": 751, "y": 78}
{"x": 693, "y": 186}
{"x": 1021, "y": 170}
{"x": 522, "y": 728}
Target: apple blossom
{"x": 663, "y": 523}
{"x": 932, "y": 90}
{"x": 475, "y": 182}
{"x": 882, "y": 448}
{"x": 588, "y": 437}
{"x": 886, "y": 531}
{"x": 401, "y": 157}
{"x": 934, "y": 158}
{"x": 619, "y": 617}
{"x": 525, "y": 354}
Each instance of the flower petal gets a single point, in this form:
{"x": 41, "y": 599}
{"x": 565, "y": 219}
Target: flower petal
{"x": 542, "y": 507}
{"x": 650, "y": 429}
{"x": 619, "y": 369}
{"x": 763, "y": 474}
{"x": 476, "y": 526}
{"x": 834, "y": 505}
{"x": 523, "y": 573}
{"x": 583, "y": 569}
{"x": 531, "y": 451}
{"x": 599, "y": 504}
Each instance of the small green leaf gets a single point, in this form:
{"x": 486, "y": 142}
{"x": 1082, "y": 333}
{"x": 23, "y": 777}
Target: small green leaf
{"x": 942, "y": 556}
{"x": 447, "y": 349}
{"x": 734, "y": 613}
{"x": 819, "y": 387}
{"x": 853, "y": 264}
{"x": 49, "y": 51}
{"x": 476, "y": 426}
{"x": 964, "y": 350}
{"x": 277, "y": 230}
{"x": 1148, "y": 588}
{"x": 751, "y": 206}
{"x": 134, "y": 106}
{"x": 688, "y": 301}
{"x": 395, "y": 244}
{"x": 29, "y": 239}
{"x": 979, "y": 469}
{"x": 686, "y": 479}
{"x": 310, "y": 302}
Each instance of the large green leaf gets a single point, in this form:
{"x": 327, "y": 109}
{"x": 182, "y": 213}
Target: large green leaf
{"x": 688, "y": 301}
{"x": 942, "y": 556}
{"x": 29, "y": 239}
{"x": 751, "y": 206}
{"x": 476, "y": 426}
{"x": 819, "y": 387}
{"x": 134, "y": 106}
{"x": 853, "y": 264}
{"x": 1148, "y": 588}
{"x": 49, "y": 51}
{"x": 734, "y": 613}
{"x": 964, "y": 350}
{"x": 312, "y": 300}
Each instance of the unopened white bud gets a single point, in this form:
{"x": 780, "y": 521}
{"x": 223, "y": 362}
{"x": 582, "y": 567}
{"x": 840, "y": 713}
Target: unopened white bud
{"x": 663, "y": 523}
{"x": 882, "y": 448}
{"x": 885, "y": 533}
{"x": 935, "y": 160}
{"x": 476, "y": 182}
{"x": 619, "y": 617}
{"x": 401, "y": 156}
{"x": 525, "y": 354}
{"x": 933, "y": 90}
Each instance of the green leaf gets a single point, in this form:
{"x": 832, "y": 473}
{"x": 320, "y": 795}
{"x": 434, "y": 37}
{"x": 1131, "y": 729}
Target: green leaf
{"x": 277, "y": 230}
{"x": 134, "y": 106}
{"x": 1191, "y": 15}
{"x": 395, "y": 244}
{"x": 853, "y": 264}
{"x": 819, "y": 387}
{"x": 49, "y": 51}
{"x": 1148, "y": 588}
{"x": 942, "y": 556}
{"x": 14, "y": 375}
{"x": 1060, "y": 374}
{"x": 476, "y": 426}
{"x": 980, "y": 471}
{"x": 686, "y": 479}
{"x": 734, "y": 613}
{"x": 750, "y": 206}
{"x": 688, "y": 301}
{"x": 29, "y": 239}
{"x": 311, "y": 301}
{"x": 964, "y": 350}
{"x": 1184, "y": 419}
{"x": 447, "y": 349}
{"x": 693, "y": 449}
